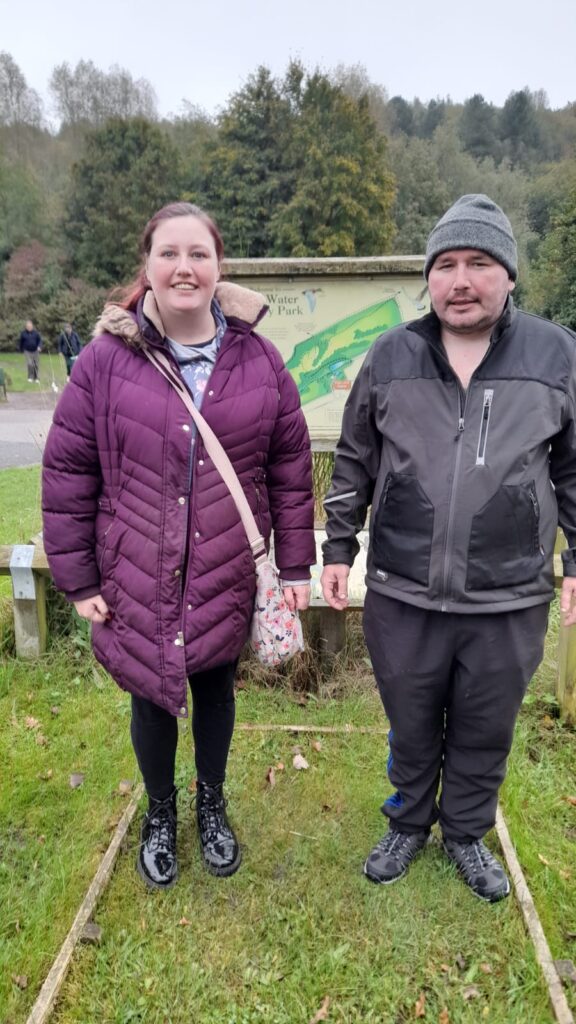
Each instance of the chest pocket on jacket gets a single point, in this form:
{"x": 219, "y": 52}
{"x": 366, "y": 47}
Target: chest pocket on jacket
{"x": 504, "y": 547}
{"x": 403, "y": 527}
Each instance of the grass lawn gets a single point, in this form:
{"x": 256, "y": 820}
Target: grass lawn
{"x": 52, "y": 368}
{"x": 298, "y": 923}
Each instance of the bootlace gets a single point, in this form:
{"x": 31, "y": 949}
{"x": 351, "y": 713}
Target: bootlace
{"x": 211, "y": 811}
{"x": 162, "y": 833}
{"x": 393, "y": 841}
{"x": 477, "y": 856}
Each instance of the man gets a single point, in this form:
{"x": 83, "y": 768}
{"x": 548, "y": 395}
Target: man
{"x": 454, "y": 432}
{"x": 30, "y": 344}
{"x": 69, "y": 347}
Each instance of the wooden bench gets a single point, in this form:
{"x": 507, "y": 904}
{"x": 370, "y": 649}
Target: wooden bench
{"x": 29, "y": 569}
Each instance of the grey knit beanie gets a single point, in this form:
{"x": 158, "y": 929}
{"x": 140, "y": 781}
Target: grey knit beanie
{"x": 474, "y": 222}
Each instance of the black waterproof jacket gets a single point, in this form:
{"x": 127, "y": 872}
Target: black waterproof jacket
{"x": 466, "y": 487}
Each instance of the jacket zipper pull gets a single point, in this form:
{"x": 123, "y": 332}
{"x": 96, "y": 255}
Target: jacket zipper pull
{"x": 460, "y": 428}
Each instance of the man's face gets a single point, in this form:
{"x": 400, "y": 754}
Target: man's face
{"x": 468, "y": 290}
{"x": 29, "y": 325}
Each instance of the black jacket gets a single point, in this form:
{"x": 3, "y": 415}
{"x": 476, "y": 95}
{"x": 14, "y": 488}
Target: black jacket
{"x": 466, "y": 487}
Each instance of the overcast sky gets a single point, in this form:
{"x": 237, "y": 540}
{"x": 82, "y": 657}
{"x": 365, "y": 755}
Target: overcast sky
{"x": 203, "y": 52}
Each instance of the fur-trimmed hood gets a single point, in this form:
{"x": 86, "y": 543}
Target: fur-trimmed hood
{"x": 236, "y": 302}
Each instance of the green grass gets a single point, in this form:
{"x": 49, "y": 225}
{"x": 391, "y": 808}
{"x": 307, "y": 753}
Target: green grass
{"x": 52, "y": 368}
{"x": 298, "y": 922}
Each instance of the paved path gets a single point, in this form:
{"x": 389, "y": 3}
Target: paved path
{"x": 24, "y": 422}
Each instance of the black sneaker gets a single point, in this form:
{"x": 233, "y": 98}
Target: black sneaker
{"x": 220, "y": 849}
{"x": 479, "y": 868}
{"x": 156, "y": 862}
{"x": 393, "y": 854}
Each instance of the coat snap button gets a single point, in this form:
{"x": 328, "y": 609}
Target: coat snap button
{"x": 196, "y": 534}
{"x": 186, "y": 427}
{"x": 210, "y": 393}
{"x": 181, "y": 501}
{"x": 177, "y": 572}
{"x": 200, "y": 462}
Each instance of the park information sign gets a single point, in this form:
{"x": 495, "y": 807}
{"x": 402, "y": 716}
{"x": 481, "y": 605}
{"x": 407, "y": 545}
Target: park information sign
{"x": 323, "y": 316}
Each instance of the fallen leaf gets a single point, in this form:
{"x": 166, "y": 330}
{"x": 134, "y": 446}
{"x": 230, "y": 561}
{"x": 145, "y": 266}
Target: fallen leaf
{"x": 566, "y": 970}
{"x": 45, "y": 776}
{"x": 486, "y": 968}
{"x": 41, "y": 839}
{"x": 280, "y": 766}
{"x": 41, "y": 740}
{"x": 420, "y": 1007}
{"x": 31, "y": 723}
{"x": 547, "y": 722}
{"x": 317, "y": 745}
{"x": 543, "y": 860}
{"x": 443, "y": 1017}
{"x": 460, "y": 962}
{"x": 445, "y": 968}
{"x": 125, "y": 786}
{"x": 564, "y": 874}
{"x": 192, "y": 786}
{"x": 55, "y": 710}
{"x": 571, "y": 800}
{"x": 91, "y": 933}
{"x": 322, "y": 1013}
{"x": 184, "y": 921}
{"x": 299, "y": 762}
{"x": 21, "y": 980}
{"x": 76, "y": 780}
{"x": 470, "y": 992}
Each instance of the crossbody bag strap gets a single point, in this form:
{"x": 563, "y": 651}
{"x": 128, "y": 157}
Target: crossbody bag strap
{"x": 216, "y": 453}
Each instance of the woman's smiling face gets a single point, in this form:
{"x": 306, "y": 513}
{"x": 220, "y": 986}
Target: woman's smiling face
{"x": 182, "y": 267}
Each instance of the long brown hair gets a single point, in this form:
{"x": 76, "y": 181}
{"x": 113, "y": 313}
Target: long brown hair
{"x": 129, "y": 295}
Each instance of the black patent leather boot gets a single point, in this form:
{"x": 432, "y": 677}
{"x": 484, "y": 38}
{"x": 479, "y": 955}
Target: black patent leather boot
{"x": 156, "y": 862}
{"x": 220, "y": 849}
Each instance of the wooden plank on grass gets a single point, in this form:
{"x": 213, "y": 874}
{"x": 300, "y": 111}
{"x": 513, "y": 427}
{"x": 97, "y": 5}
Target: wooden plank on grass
{"x": 562, "y": 1011}
{"x": 51, "y": 987}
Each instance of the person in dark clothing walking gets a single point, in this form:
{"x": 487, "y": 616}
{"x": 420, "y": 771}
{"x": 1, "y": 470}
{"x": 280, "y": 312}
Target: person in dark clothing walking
{"x": 69, "y": 346}
{"x": 30, "y": 344}
{"x": 142, "y": 533}
{"x": 460, "y": 433}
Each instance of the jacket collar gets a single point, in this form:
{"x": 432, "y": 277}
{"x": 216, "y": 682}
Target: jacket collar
{"x": 242, "y": 308}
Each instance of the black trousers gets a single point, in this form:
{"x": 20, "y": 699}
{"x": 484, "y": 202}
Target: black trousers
{"x": 155, "y": 732}
{"x": 451, "y": 686}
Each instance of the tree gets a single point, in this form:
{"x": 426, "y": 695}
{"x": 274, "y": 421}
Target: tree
{"x": 519, "y": 128}
{"x": 245, "y": 175}
{"x": 478, "y": 128}
{"x": 341, "y": 205}
{"x": 18, "y": 103}
{"x": 299, "y": 169}
{"x": 553, "y": 283}
{"x": 85, "y": 95}
{"x": 129, "y": 170}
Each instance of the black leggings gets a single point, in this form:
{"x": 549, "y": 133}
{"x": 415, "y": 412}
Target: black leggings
{"x": 154, "y": 732}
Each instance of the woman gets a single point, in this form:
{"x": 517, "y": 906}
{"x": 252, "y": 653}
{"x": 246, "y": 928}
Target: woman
{"x": 142, "y": 534}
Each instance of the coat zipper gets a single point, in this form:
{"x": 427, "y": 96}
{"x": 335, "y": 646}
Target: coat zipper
{"x": 452, "y": 505}
{"x": 484, "y": 424}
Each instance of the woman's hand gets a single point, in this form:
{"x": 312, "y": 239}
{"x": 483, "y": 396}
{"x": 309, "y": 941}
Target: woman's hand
{"x": 297, "y": 598}
{"x": 94, "y": 609}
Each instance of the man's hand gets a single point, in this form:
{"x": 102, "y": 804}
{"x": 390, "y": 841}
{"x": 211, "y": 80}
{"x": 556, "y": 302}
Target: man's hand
{"x": 568, "y": 600}
{"x": 297, "y": 598}
{"x": 94, "y": 609}
{"x": 334, "y": 581}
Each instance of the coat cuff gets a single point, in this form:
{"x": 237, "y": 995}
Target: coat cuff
{"x": 569, "y": 561}
{"x": 301, "y": 574}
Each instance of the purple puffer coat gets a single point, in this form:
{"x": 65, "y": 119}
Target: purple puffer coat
{"x": 135, "y": 512}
